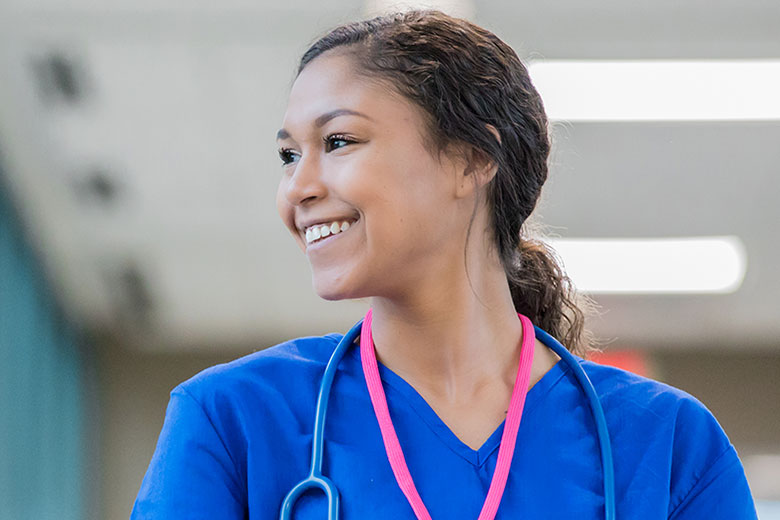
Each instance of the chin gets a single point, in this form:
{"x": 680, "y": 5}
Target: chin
{"x": 332, "y": 290}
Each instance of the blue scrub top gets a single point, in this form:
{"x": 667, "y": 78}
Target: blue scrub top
{"x": 237, "y": 437}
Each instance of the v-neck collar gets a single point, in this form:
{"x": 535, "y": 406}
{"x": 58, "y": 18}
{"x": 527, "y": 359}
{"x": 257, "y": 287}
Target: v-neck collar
{"x": 440, "y": 428}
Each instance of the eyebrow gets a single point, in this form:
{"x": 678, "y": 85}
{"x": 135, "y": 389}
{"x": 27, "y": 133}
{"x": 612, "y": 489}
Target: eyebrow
{"x": 324, "y": 118}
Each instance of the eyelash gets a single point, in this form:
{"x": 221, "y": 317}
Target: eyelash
{"x": 285, "y": 153}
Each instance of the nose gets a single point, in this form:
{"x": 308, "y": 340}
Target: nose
{"x": 306, "y": 182}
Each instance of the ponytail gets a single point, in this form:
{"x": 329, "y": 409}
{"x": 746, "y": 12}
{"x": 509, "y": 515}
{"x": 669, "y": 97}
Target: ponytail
{"x": 543, "y": 292}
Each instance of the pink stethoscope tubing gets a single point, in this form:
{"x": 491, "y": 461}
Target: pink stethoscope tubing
{"x": 393, "y": 447}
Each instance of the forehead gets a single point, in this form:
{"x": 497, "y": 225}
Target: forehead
{"x": 329, "y": 82}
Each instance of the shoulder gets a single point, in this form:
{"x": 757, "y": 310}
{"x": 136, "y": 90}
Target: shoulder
{"x": 635, "y": 395}
{"x": 217, "y": 417}
{"x": 655, "y": 424}
{"x": 277, "y": 369}
{"x": 659, "y": 408}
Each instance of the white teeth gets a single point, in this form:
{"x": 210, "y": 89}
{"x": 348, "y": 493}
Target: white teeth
{"x": 323, "y": 230}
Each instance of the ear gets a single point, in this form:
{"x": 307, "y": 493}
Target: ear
{"x": 479, "y": 168}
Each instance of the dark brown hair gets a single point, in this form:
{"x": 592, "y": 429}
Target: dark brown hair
{"x": 465, "y": 78}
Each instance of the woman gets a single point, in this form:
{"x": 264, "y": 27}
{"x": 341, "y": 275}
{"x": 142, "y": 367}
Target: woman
{"x": 413, "y": 149}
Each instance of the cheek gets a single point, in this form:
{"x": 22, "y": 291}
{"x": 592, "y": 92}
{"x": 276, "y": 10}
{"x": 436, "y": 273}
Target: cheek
{"x": 404, "y": 230}
{"x": 389, "y": 181}
{"x": 408, "y": 209}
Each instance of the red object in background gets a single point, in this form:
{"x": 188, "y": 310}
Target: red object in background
{"x": 632, "y": 360}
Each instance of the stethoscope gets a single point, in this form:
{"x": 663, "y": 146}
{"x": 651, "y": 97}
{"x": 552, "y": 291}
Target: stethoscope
{"x": 317, "y": 480}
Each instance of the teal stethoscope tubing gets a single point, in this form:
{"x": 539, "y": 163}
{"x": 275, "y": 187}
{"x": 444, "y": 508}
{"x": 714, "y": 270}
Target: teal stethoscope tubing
{"x": 317, "y": 480}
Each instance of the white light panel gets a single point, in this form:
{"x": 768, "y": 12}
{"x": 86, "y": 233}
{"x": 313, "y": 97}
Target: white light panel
{"x": 668, "y": 265}
{"x": 652, "y": 90}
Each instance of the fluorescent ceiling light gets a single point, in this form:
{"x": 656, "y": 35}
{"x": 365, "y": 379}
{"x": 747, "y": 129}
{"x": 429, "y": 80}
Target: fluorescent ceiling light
{"x": 738, "y": 90}
{"x": 679, "y": 265}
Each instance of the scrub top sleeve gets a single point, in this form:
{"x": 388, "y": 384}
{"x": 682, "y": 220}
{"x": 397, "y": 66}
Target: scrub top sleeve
{"x": 708, "y": 480}
{"x": 191, "y": 474}
{"x": 722, "y": 493}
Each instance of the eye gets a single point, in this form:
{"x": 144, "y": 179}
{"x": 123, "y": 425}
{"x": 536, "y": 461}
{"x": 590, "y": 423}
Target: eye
{"x": 336, "y": 141}
{"x": 287, "y": 156}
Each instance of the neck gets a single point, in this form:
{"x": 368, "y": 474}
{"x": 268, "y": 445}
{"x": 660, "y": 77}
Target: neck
{"x": 449, "y": 338}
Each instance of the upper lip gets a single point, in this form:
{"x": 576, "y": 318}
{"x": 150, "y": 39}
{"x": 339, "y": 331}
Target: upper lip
{"x": 304, "y": 224}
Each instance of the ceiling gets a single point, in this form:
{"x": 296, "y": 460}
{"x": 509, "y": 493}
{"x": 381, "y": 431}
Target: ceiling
{"x": 138, "y": 140}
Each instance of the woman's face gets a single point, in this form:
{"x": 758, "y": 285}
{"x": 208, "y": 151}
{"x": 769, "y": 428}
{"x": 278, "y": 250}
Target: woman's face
{"x": 354, "y": 163}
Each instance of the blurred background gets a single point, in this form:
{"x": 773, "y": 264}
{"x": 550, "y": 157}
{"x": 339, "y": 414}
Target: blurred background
{"x": 139, "y": 240}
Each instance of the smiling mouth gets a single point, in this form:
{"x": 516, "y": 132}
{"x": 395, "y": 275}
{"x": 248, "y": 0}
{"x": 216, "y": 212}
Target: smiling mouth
{"x": 320, "y": 232}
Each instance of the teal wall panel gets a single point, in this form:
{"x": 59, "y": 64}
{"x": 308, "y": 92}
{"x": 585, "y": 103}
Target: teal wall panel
{"x": 43, "y": 427}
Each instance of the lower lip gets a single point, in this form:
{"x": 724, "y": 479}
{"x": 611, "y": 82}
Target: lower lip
{"x": 319, "y": 244}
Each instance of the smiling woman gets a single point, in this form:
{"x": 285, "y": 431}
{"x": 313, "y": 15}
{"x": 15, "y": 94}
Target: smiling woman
{"x": 366, "y": 163}
{"x": 414, "y": 147}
